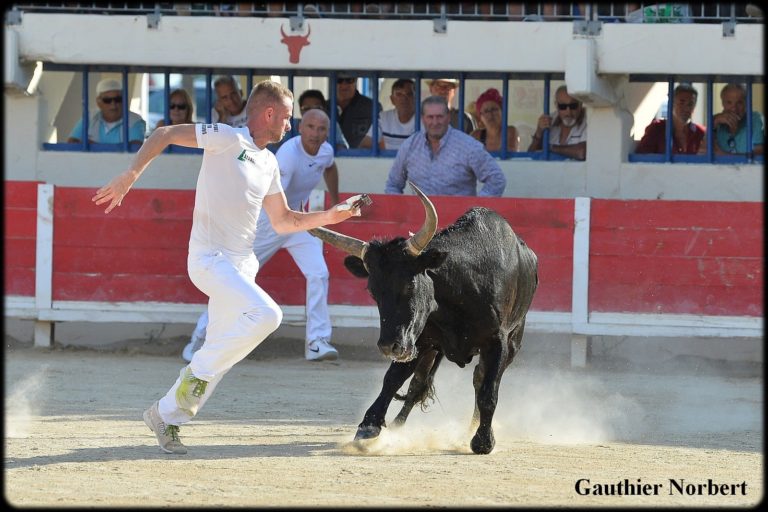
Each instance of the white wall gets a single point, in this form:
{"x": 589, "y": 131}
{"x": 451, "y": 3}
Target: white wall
{"x": 525, "y": 47}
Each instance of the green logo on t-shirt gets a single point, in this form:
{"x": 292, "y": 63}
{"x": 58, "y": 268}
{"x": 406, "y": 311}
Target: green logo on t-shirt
{"x": 244, "y": 156}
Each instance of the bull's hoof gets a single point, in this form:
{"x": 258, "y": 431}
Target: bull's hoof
{"x": 367, "y": 432}
{"x": 483, "y": 445}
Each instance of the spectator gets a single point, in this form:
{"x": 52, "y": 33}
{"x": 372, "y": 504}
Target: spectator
{"x": 687, "y": 135}
{"x": 179, "y": 108}
{"x": 731, "y": 124}
{"x": 355, "y": 110}
{"x": 312, "y": 98}
{"x": 106, "y": 126}
{"x": 230, "y": 105}
{"x": 447, "y": 87}
{"x": 303, "y": 160}
{"x": 489, "y": 109}
{"x": 442, "y": 160}
{"x": 568, "y": 129}
{"x": 397, "y": 124}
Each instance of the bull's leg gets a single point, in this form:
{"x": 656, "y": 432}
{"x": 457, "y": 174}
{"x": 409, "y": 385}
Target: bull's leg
{"x": 515, "y": 338}
{"x": 486, "y": 380}
{"x": 373, "y": 420}
{"x": 421, "y": 383}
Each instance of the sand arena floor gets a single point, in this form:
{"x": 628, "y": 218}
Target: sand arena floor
{"x": 278, "y": 432}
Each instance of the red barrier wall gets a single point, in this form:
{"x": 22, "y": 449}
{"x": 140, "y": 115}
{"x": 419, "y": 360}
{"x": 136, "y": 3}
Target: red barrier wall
{"x": 546, "y": 225}
{"x": 138, "y": 252}
{"x": 20, "y": 241}
{"x": 694, "y": 257}
{"x": 680, "y": 257}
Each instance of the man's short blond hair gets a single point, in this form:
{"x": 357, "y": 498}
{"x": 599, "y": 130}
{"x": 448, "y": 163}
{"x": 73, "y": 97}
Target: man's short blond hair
{"x": 267, "y": 94}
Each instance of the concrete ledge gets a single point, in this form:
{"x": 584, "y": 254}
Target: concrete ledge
{"x": 745, "y": 355}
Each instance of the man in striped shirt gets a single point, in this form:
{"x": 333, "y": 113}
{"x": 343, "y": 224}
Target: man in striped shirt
{"x": 442, "y": 160}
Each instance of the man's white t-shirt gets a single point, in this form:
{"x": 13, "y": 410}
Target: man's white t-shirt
{"x": 391, "y": 130}
{"x": 234, "y": 178}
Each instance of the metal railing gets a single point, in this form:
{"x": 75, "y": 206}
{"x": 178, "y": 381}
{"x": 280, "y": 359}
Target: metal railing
{"x": 371, "y": 91}
{"x": 703, "y": 12}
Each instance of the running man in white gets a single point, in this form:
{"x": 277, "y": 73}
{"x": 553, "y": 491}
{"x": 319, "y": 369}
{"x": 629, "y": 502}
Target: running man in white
{"x": 238, "y": 177}
{"x": 303, "y": 161}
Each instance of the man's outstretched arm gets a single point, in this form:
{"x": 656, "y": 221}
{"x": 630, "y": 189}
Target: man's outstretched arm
{"x": 161, "y": 138}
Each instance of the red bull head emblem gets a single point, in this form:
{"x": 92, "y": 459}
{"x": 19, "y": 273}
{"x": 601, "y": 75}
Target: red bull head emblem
{"x": 295, "y": 44}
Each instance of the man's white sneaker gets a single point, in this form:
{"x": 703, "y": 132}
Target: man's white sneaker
{"x": 193, "y": 346}
{"x": 320, "y": 349}
{"x": 167, "y": 435}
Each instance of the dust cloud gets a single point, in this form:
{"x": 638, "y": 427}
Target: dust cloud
{"x": 22, "y": 402}
{"x": 536, "y": 405}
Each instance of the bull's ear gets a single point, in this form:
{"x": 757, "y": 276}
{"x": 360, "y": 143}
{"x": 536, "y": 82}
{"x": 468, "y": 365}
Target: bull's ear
{"x": 355, "y": 266}
{"x": 432, "y": 258}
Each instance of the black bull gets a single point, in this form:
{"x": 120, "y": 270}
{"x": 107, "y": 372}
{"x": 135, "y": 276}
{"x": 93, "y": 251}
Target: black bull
{"x": 458, "y": 293}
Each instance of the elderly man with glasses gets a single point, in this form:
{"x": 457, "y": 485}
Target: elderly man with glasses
{"x": 567, "y": 130}
{"x": 106, "y": 126}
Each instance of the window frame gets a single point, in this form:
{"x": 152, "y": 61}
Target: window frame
{"x": 709, "y": 157}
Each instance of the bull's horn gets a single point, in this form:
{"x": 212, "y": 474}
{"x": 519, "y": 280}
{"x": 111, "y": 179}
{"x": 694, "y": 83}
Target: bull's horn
{"x": 283, "y": 31}
{"x": 415, "y": 244}
{"x": 348, "y": 244}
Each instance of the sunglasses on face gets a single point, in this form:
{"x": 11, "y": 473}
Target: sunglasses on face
{"x": 572, "y": 106}
{"x": 113, "y": 99}
{"x": 179, "y": 106}
{"x": 346, "y": 80}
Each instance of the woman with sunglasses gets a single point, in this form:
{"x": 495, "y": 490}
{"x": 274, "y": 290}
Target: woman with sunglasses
{"x": 567, "y": 130}
{"x": 179, "y": 108}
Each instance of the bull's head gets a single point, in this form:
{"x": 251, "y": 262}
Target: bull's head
{"x": 397, "y": 280}
{"x": 295, "y": 44}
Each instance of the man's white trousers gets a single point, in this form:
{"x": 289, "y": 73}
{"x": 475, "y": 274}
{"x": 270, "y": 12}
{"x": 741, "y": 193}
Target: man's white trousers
{"x": 241, "y": 315}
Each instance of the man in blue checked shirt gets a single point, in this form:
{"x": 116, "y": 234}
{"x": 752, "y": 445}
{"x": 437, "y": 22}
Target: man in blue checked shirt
{"x": 442, "y": 160}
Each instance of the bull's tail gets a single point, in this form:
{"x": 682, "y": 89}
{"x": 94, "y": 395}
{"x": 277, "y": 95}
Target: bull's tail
{"x": 425, "y": 399}
{"x": 422, "y": 387}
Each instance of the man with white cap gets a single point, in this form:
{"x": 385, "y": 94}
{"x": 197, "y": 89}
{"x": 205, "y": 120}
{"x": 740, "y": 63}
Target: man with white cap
{"x": 106, "y": 126}
{"x": 447, "y": 87}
